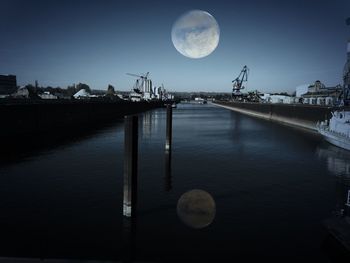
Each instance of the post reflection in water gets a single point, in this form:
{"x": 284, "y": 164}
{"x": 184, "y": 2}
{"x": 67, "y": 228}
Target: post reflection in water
{"x": 129, "y": 238}
{"x": 167, "y": 178}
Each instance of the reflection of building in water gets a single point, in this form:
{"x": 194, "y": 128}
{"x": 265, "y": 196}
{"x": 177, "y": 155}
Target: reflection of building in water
{"x": 338, "y": 163}
{"x": 236, "y": 126}
{"x": 343, "y": 192}
{"x": 338, "y": 166}
{"x": 338, "y": 160}
{"x": 149, "y": 122}
{"x": 237, "y": 129}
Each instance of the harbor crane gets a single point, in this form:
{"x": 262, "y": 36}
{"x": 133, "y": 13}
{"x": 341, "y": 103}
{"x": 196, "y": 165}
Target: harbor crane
{"x": 140, "y": 82}
{"x": 237, "y": 84}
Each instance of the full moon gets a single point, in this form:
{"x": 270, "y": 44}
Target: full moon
{"x": 195, "y": 34}
{"x": 196, "y": 208}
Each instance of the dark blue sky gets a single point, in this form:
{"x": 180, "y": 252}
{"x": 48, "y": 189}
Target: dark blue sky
{"x": 284, "y": 43}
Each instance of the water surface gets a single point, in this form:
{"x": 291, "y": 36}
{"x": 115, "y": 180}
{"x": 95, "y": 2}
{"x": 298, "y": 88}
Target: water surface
{"x": 273, "y": 186}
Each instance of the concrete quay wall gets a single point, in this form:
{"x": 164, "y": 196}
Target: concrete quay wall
{"x": 298, "y": 115}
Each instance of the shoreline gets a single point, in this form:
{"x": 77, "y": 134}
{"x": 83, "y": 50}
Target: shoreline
{"x": 35, "y": 118}
{"x": 300, "y": 116}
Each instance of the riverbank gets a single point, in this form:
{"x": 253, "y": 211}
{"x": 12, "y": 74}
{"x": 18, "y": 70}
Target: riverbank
{"x": 35, "y": 117}
{"x": 297, "y": 115}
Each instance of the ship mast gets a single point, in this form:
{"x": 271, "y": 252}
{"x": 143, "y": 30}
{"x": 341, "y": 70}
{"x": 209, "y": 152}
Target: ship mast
{"x": 346, "y": 75}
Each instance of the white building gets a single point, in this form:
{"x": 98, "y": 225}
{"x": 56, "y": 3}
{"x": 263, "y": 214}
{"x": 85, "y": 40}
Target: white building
{"x": 135, "y": 96}
{"x": 47, "y": 96}
{"x": 22, "y": 92}
{"x": 266, "y": 97}
{"x": 319, "y": 94}
{"x": 301, "y": 90}
{"x": 82, "y": 94}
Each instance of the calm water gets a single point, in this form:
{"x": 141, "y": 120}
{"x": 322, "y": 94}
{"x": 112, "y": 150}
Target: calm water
{"x": 273, "y": 186}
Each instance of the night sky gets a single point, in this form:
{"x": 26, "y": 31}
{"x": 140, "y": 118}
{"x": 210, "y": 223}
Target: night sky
{"x": 284, "y": 43}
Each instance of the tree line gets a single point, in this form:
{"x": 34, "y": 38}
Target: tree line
{"x": 69, "y": 91}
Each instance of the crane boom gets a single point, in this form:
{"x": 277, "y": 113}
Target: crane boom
{"x": 141, "y": 83}
{"x": 144, "y": 76}
{"x": 134, "y": 75}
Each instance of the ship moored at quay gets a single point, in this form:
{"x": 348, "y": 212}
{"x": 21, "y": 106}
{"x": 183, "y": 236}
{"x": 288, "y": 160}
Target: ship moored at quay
{"x": 336, "y": 130}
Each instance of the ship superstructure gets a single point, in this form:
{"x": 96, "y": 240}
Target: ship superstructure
{"x": 336, "y": 130}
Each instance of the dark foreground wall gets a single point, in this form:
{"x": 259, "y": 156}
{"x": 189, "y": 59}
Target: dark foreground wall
{"x": 304, "y": 116}
{"x": 23, "y": 117}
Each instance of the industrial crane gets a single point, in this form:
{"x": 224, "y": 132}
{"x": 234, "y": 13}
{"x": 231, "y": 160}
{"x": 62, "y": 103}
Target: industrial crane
{"x": 140, "y": 82}
{"x": 237, "y": 84}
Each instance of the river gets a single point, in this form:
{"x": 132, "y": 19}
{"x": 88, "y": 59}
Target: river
{"x": 273, "y": 186}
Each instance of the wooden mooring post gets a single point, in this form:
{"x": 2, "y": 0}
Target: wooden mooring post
{"x": 130, "y": 165}
{"x": 169, "y": 123}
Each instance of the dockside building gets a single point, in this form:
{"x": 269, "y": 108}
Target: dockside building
{"x": 8, "y": 85}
